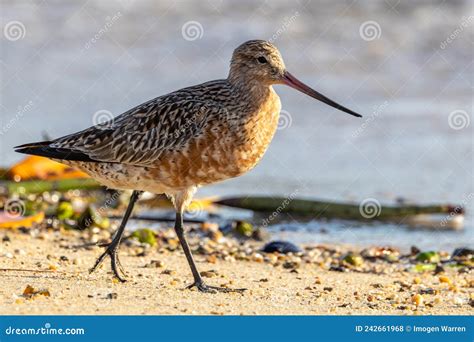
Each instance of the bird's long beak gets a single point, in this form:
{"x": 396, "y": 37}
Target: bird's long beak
{"x": 293, "y": 82}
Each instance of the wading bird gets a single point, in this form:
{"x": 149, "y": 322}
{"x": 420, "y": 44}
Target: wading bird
{"x": 177, "y": 142}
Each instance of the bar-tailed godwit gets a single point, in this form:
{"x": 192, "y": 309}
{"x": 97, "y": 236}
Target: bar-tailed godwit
{"x": 180, "y": 141}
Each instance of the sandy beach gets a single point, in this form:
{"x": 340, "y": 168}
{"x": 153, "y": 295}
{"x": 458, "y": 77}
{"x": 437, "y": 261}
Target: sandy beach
{"x": 59, "y": 283}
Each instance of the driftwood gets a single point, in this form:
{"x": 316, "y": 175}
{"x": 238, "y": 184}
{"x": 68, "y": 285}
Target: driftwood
{"x": 349, "y": 211}
{"x": 151, "y": 218}
{"x": 39, "y": 186}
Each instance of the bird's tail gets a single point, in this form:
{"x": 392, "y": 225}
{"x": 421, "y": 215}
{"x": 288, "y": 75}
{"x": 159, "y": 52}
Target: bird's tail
{"x": 44, "y": 149}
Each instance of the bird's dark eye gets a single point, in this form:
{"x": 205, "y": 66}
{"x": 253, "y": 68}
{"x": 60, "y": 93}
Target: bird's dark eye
{"x": 262, "y": 60}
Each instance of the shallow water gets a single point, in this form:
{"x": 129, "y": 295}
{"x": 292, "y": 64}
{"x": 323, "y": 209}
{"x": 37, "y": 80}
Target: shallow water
{"x": 406, "y": 82}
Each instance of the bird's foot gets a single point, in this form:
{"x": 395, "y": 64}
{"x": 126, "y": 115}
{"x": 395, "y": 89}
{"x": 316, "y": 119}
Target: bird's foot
{"x": 112, "y": 251}
{"x": 202, "y": 287}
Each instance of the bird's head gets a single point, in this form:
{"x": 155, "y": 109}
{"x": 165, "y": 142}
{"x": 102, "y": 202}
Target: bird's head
{"x": 259, "y": 60}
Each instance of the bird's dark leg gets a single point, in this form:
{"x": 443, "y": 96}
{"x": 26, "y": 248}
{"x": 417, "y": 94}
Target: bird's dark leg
{"x": 112, "y": 248}
{"x": 198, "y": 282}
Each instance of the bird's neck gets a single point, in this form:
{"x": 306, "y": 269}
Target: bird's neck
{"x": 251, "y": 90}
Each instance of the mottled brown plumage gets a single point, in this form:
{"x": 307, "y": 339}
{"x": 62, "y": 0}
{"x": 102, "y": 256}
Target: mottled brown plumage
{"x": 188, "y": 138}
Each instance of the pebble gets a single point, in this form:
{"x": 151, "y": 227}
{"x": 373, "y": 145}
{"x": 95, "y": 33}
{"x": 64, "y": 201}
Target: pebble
{"x": 428, "y": 291}
{"x": 173, "y": 244}
{"x": 338, "y": 268}
{"x": 444, "y": 279}
{"x": 258, "y": 257}
{"x": 439, "y": 269}
{"x": 209, "y": 274}
{"x": 463, "y": 252}
{"x": 291, "y": 264}
{"x": 417, "y": 299}
{"x": 155, "y": 264}
{"x": 272, "y": 258}
{"x": 209, "y": 226}
{"x": 283, "y": 247}
{"x": 354, "y": 259}
{"x": 212, "y": 259}
{"x": 8, "y": 255}
{"x": 217, "y": 236}
{"x": 30, "y": 292}
{"x": 453, "y": 288}
{"x": 169, "y": 272}
{"x": 112, "y": 295}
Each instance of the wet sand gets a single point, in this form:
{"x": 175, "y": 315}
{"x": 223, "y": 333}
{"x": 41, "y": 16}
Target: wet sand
{"x": 157, "y": 284}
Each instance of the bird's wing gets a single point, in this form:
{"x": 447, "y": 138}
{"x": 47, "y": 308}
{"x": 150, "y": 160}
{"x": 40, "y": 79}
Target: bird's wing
{"x": 141, "y": 135}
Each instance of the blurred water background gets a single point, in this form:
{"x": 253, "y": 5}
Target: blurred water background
{"x": 407, "y": 66}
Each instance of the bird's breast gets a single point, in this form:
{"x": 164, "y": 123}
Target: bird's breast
{"x": 257, "y": 132}
{"x": 229, "y": 146}
{"x": 238, "y": 145}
